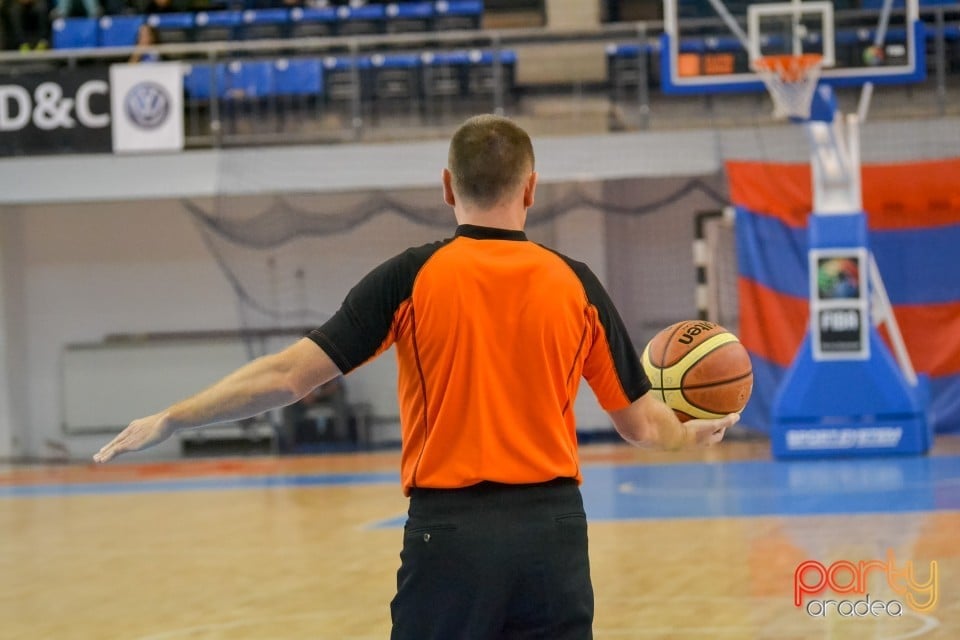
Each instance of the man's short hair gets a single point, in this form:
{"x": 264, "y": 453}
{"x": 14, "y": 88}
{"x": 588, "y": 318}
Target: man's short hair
{"x": 489, "y": 157}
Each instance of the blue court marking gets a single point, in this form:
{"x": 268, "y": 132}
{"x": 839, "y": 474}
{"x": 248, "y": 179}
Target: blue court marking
{"x": 198, "y": 484}
{"x": 761, "y": 488}
{"x": 638, "y": 492}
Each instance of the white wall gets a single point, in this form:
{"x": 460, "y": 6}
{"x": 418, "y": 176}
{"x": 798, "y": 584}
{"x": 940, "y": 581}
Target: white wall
{"x": 87, "y": 248}
{"x": 91, "y": 270}
{"x": 13, "y": 384}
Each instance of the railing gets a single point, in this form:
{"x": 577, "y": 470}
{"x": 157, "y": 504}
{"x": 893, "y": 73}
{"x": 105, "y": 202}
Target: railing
{"x": 419, "y": 85}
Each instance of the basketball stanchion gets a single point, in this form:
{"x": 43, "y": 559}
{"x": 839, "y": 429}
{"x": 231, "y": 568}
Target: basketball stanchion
{"x": 845, "y": 393}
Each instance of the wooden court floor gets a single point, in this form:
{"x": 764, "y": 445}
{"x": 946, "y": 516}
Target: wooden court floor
{"x": 700, "y": 545}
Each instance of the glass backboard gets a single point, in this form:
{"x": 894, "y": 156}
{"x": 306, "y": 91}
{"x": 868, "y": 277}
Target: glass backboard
{"x": 708, "y": 45}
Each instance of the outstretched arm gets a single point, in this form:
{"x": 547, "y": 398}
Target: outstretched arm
{"x": 265, "y": 383}
{"x": 649, "y": 423}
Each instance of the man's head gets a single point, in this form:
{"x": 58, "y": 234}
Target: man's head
{"x": 490, "y": 161}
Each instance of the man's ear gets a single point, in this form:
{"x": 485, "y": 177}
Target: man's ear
{"x": 448, "y": 196}
{"x": 529, "y": 190}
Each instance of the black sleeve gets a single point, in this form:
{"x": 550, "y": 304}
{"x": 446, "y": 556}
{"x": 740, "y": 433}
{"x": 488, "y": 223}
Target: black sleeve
{"x": 632, "y": 377}
{"x": 365, "y": 319}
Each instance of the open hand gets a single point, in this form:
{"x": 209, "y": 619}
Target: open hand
{"x": 140, "y": 434}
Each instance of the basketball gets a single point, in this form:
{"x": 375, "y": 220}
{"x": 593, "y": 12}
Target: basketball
{"x": 699, "y": 369}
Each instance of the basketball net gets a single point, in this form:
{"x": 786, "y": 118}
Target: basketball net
{"x": 791, "y": 79}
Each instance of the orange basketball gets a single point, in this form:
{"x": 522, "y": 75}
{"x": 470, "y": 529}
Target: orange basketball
{"x": 699, "y": 369}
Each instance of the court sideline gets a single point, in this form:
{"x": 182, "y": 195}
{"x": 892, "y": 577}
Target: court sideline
{"x": 694, "y": 545}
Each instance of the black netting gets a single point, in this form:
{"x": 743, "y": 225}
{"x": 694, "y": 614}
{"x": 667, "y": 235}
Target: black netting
{"x": 291, "y": 257}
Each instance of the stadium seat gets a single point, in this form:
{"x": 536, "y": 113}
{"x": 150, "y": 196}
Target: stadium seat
{"x": 444, "y": 74}
{"x": 338, "y": 78}
{"x": 297, "y": 76}
{"x": 173, "y": 27}
{"x": 120, "y": 31}
{"x": 313, "y": 22}
{"x": 396, "y": 75}
{"x": 265, "y": 23}
{"x": 247, "y": 79}
{"x": 898, "y": 4}
{"x": 409, "y": 17}
{"x": 458, "y": 14}
{"x": 361, "y": 20}
{"x": 395, "y": 84}
{"x": 198, "y": 81}
{"x": 298, "y": 88}
{"x": 75, "y": 33}
{"x": 464, "y": 79}
{"x": 627, "y": 64}
{"x": 217, "y": 26}
{"x": 482, "y": 77}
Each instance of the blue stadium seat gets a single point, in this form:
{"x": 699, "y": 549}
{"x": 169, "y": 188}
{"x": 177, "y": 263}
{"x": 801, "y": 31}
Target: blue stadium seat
{"x": 247, "y": 80}
{"x": 725, "y": 44}
{"x": 466, "y": 74}
{"x": 444, "y": 78}
{"x": 629, "y": 63}
{"x": 855, "y": 36}
{"x": 172, "y": 27}
{"x": 481, "y": 77}
{"x": 395, "y": 75}
{"x": 898, "y": 4}
{"x": 198, "y": 79}
{"x": 297, "y": 77}
{"x": 364, "y": 19}
{"x": 458, "y": 14}
{"x": 313, "y": 22}
{"x": 265, "y": 23}
{"x": 626, "y": 50}
{"x": 409, "y": 16}
{"x": 217, "y": 26}
{"x": 119, "y": 31}
{"x": 75, "y": 33}
{"x": 338, "y": 78}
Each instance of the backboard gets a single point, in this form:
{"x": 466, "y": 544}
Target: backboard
{"x": 708, "y": 45}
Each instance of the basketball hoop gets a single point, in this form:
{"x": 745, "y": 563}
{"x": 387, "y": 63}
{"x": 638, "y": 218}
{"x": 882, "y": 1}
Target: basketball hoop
{"x": 791, "y": 79}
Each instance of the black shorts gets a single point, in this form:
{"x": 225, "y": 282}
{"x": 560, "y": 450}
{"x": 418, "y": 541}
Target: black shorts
{"x": 494, "y": 561}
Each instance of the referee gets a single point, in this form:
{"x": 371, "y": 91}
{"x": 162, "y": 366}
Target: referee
{"x": 492, "y": 334}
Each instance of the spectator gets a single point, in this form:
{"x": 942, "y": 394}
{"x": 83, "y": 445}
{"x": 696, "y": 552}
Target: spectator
{"x": 77, "y": 8}
{"x": 159, "y": 6}
{"x": 25, "y": 24}
{"x": 147, "y": 39}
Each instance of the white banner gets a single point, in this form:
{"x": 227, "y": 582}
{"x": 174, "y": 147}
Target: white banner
{"x": 147, "y": 105}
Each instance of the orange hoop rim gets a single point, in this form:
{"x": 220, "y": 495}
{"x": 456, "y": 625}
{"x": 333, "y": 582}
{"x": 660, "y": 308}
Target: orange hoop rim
{"x": 790, "y": 67}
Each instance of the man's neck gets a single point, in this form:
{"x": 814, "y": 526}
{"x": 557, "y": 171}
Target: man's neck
{"x": 498, "y": 218}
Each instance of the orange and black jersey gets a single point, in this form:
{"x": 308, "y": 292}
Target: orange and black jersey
{"x": 493, "y": 333}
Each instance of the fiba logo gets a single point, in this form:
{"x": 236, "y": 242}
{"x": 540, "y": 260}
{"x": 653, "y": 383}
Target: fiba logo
{"x": 147, "y": 104}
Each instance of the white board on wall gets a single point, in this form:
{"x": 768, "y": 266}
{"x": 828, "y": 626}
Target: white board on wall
{"x": 105, "y": 386}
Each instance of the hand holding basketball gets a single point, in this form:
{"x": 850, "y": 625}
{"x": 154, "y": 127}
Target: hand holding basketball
{"x": 702, "y": 432}
{"x": 699, "y": 369}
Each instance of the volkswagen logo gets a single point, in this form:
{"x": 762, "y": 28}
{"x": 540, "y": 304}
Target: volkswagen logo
{"x": 147, "y": 105}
